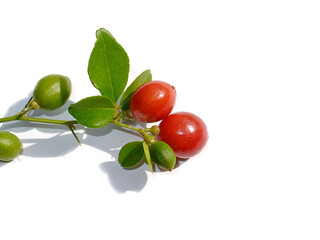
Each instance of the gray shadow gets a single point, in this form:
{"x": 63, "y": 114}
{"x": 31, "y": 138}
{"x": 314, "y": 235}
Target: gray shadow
{"x": 55, "y": 114}
{"x": 12, "y": 110}
{"x": 17, "y": 106}
{"x": 61, "y": 113}
{"x": 108, "y": 139}
{"x": 179, "y": 162}
{"x": 62, "y": 143}
{"x": 3, "y": 164}
{"x": 123, "y": 180}
{"x": 59, "y": 145}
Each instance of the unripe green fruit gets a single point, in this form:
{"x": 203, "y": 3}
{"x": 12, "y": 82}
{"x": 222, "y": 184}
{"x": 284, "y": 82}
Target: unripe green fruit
{"x": 163, "y": 155}
{"x": 52, "y": 91}
{"x": 10, "y": 146}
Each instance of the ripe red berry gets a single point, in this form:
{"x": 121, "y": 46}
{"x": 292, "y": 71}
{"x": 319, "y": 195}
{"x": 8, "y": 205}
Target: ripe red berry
{"x": 185, "y": 132}
{"x": 153, "y": 101}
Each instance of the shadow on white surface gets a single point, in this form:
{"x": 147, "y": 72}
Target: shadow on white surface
{"x": 125, "y": 180}
{"x": 18, "y": 106}
{"x": 110, "y": 139}
{"x": 2, "y": 164}
{"x": 59, "y": 141}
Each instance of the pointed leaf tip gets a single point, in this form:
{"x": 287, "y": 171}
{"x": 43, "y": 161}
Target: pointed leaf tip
{"x": 143, "y": 78}
{"x": 147, "y": 155}
{"x": 108, "y": 66}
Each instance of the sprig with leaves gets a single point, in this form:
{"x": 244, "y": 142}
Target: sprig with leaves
{"x": 182, "y": 134}
{"x": 108, "y": 71}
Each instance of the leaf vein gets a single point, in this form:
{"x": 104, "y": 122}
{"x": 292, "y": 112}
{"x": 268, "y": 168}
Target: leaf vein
{"x": 107, "y": 65}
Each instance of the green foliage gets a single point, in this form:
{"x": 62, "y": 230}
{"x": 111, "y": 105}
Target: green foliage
{"x": 93, "y": 112}
{"x": 131, "y": 154}
{"x": 147, "y": 155}
{"x": 140, "y": 80}
{"x": 108, "y": 67}
{"x": 108, "y": 70}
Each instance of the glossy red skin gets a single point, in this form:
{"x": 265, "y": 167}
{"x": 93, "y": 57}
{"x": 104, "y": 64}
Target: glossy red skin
{"x": 185, "y": 132}
{"x": 153, "y": 101}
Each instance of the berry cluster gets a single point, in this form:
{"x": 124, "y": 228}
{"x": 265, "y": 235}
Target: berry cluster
{"x": 183, "y": 132}
{"x": 180, "y": 134}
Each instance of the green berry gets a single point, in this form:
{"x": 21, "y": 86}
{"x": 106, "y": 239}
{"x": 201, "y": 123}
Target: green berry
{"x": 52, "y": 91}
{"x": 10, "y": 146}
{"x": 163, "y": 155}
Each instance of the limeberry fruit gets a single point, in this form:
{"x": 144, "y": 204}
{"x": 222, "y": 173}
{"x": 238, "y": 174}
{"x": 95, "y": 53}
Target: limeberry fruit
{"x": 185, "y": 132}
{"x": 52, "y": 91}
{"x": 163, "y": 155}
{"x": 10, "y": 146}
{"x": 153, "y": 101}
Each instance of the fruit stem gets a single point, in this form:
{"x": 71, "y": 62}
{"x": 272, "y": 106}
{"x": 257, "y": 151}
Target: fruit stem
{"x": 20, "y": 116}
{"x": 144, "y": 132}
{"x": 116, "y": 110}
{"x": 70, "y": 124}
{"x": 27, "y": 104}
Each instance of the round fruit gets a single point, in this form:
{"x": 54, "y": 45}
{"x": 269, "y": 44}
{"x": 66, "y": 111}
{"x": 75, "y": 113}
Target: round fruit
{"x": 52, "y": 91}
{"x": 10, "y": 146}
{"x": 163, "y": 155}
{"x": 153, "y": 101}
{"x": 185, "y": 132}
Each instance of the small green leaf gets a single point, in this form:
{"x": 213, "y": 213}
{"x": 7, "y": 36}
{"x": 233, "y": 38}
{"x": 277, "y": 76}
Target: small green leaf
{"x": 93, "y": 112}
{"x": 147, "y": 155}
{"x": 108, "y": 67}
{"x": 141, "y": 79}
{"x": 131, "y": 154}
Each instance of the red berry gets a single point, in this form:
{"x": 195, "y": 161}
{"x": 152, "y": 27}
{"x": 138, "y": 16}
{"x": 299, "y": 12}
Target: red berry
{"x": 153, "y": 101}
{"x": 185, "y": 132}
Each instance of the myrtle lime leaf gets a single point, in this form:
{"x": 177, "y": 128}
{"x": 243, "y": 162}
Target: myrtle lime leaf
{"x": 108, "y": 67}
{"x": 93, "y": 112}
{"x": 147, "y": 155}
{"x": 141, "y": 79}
{"x": 131, "y": 154}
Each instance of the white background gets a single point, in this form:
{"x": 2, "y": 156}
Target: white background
{"x": 249, "y": 69}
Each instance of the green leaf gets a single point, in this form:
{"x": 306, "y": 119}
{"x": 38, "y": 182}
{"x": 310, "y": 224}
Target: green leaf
{"x": 147, "y": 155}
{"x": 108, "y": 67}
{"x": 131, "y": 154}
{"x": 141, "y": 79}
{"x": 93, "y": 112}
